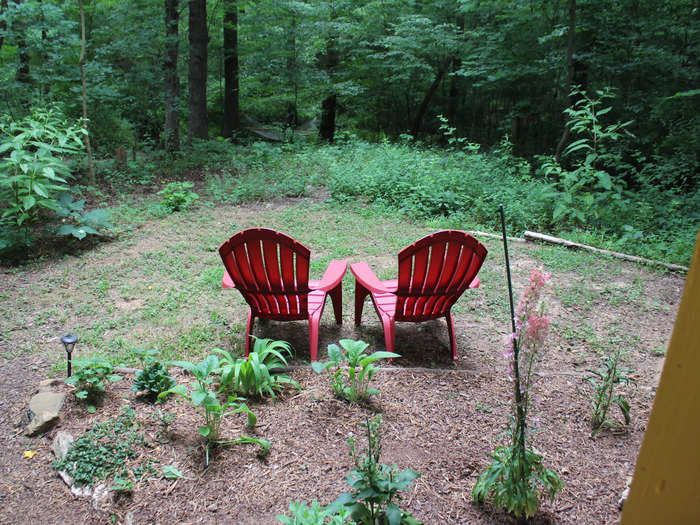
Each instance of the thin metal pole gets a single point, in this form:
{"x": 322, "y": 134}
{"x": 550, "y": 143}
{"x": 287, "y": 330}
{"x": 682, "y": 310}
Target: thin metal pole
{"x": 510, "y": 286}
{"x": 520, "y": 419}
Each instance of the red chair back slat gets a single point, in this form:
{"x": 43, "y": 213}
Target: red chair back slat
{"x": 434, "y": 272}
{"x": 270, "y": 269}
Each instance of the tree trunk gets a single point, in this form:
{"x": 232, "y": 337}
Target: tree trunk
{"x": 172, "y": 82}
{"x": 326, "y": 130}
{"x": 198, "y": 124}
{"x": 292, "y": 72}
{"x": 418, "y": 121}
{"x": 232, "y": 112}
{"x": 570, "y": 43}
{"x": 3, "y": 23}
{"x": 91, "y": 164}
{"x": 23, "y": 67}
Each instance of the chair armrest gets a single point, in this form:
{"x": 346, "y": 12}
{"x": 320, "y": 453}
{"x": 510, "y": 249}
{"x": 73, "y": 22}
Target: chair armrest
{"x": 366, "y": 277}
{"x": 475, "y": 282}
{"x": 226, "y": 281}
{"x": 332, "y": 277}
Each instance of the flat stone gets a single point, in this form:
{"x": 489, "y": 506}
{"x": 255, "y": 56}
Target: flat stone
{"x": 102, "y": 497}
{"x": 62, "y": 444}
{"x": 45, "y": 406}
{"x": 81, "y": 492}
{"x": 50, "y": 385}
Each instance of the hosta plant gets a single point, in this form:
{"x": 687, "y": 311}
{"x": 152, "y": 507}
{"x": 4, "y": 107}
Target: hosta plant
{"x": 89, "y": 378}
{"x": 354, "y": 369}
{"x": 255, "y": 375}
{"x": 214, "y": 409}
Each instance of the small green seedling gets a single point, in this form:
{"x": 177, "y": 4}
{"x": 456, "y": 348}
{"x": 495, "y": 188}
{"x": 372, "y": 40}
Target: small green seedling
{"x": 351, "y": 382}
{"x": 604, "y": 381}
{"x": 153, "y": 378}
{"x": 214, "y": 409}
{"x": 89, "y": 379}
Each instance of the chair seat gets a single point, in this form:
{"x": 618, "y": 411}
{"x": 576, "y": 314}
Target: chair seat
{"x": 271, "y": 271}
{"x": 433, "y": 273}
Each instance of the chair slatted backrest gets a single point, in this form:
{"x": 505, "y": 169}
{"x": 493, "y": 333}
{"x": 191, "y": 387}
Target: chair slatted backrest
{"x": 270, "y": 269}
{"x": 435, "y": 271}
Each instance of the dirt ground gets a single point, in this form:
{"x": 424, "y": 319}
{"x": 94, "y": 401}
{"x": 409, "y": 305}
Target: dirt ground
{"x": 440, "y": 418}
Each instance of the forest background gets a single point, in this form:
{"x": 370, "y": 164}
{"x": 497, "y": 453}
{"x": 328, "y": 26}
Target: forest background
{"x": 581, "y": 116}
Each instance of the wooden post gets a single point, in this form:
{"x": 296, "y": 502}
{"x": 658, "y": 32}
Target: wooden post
{"x": 666, "y": 483}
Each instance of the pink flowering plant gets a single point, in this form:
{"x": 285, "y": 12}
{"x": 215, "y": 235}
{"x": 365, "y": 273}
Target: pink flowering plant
{"x": 517, "y": 479}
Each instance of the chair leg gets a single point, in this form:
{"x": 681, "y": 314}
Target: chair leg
{"x": 337, "y": 299}
{"x": 451, "y": 332}
{"x": 249, "y": 331}
{"x": 360, "y": 294}
{"x": 314, "y": 323}
{"x": 388, "y": 333}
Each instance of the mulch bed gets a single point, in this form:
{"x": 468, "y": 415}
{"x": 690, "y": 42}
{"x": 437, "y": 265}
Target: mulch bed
{"x": 442, "y": 423}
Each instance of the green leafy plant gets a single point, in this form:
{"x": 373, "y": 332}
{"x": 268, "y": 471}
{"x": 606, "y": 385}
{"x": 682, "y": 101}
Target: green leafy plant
{"x": 177, "y": 196}
{"x": 153, "y": 378}
{"x": 89, "y": 377}
{"x": 315, "y": 514}
{"x": 104, "y": 449}
{"x": 516, "y": 478}
{"x": 586, "y": 191}
{"x": 351, "y": 381}
{"x": 375, "y": 486}
{"x": 122, "y": 484}
{"x": 254, "y": 375}
{"x": 214, "y": 409}
{"x": 32, "y": 170}
{"x": 82, "y": 223}
{"x": 604, "y": 381}
{"x": 172, "y": 472}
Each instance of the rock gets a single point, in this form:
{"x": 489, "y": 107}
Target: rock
{"x": 50, "y": 385}
{"x": 61, "y": 444}
{"x": 129, "y": 518}
{"x": 45, "y": 406}
{"x": 67, "y": 479}
{"x": 102, "y": 497}
{"x": 81, "y": 492}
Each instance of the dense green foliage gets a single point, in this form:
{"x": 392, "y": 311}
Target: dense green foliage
{"x": 103, "y": 450}
{"x": 255, "y": 375}
{"x": 476, "y": 97}
{"x": 153, "y": 378}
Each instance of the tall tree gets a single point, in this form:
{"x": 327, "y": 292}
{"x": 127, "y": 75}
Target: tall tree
{"x": 570, "y": 43}
{"x": 91, "y": 164}
{"x": 326, "y": 129}
{"x": 199, "y": 38}
{"x": 172, "y": 81}
{"x": 232, "y": 114}
{"x": 23, "y": 68}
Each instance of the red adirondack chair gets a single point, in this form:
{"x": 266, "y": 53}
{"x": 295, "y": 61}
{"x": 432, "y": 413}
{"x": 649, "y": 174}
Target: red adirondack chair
{"x": 271, "y": 270}
{"x": 433, "y": 274}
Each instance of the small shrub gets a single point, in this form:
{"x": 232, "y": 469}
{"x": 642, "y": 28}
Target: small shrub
{"x": 177, "y": 196}
{"x": 315, "y": 514}
{"x": 89, "y": 379}
{"x": 604, "y": 381}
{"x": 153, "y": 378}
{"x": 351, "y": 381}
{"x": 212, "y": 407}
{"x": 254, "y": 375}
{"x": 33, "y": 171}
{"x": 375, "y": 486}
{"x": 81, "y": 223}
{"x": 103, "y": 450}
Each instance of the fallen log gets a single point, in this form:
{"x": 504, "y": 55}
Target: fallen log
{"x": 534, "y": 236}
{"x": 496, "y": 236}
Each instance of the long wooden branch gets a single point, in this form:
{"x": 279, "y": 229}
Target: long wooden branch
{"x": 534, "y": 236}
